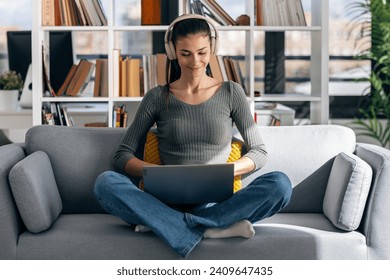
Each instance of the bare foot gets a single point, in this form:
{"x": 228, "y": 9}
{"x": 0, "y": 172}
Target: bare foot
{"x": 242, "y": 228}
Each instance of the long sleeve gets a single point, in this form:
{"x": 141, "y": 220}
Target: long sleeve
{"x": 143, "y": 121}
{"x": 246, "y": 125}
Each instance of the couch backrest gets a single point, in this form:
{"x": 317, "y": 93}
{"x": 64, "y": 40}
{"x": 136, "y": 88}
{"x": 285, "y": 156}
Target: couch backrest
{"x": 78, "y": 156}
{"x": 376, "y": 219}
{"x": 305, "y": 154}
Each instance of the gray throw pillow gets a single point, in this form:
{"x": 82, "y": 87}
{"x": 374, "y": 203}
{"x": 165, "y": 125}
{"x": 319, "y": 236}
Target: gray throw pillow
{"x": 347, "y": 190}
{"x": 35, "y": 191}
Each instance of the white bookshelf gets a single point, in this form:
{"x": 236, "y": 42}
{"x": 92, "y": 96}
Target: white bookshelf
{"x": 319, "y": 77}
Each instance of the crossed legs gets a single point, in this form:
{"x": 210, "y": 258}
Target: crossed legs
{"x": 234, "y": 217}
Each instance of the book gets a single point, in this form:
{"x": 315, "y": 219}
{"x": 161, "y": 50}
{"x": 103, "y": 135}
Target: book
{"x": 86, "y": 15}
{"x": 62, "y": 90}
{"x": 81, "y": 12}
{"x": 215, "y": 69}
{"x": 280, "y": 13}
{"x": 133, "y": 77}
{"x": 228, "y": 68}
{"x": 238, "y": 74}
{"x": 73, "y": 12}
{"x": 62, "y": 12}
{"x": 160, "y": 68}
{"x": 145, "y": 74}
{"x": 46, "y": 71}
{"x": 57, "y": 12}
{"x": 66, "y": 8}
{"x": 53, "y": 110}
{"x": 197, "y": 7}
{"x": 227, "y": 18}
{"x": 104, "y": 78}
{"x": 91, "y": 12}
{"x": 96, "y": 86}
{"x": 48, "y": 13}
{"x": 101, "y": 78}
{"x": 100, "y": 11}
{"x": 275, "y": 121}
{"x": 80, "y": 78}
{"x": 124, "y": 68}
{"x": 116, "y": 58}
{"x": 96, "y": 124}
{"x": 68, "y": 119}
{"x": 60, "y": 114}
{"x": 259, "y": 12}
{"x": 75, "y": 77}
{"x": 85, "y": 81}
{"x": 154, "y": 70}
{"x": 217, "y": 13}
{"x": 141, "y": 80}
{"x": 150, "y": 12}
{"x": 297, "y": 14}
{"x": 120, "y": 116}
{"x": 222, "y": 67}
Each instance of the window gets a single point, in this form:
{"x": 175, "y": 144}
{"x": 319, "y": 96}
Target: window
{"x": 11, "y": 19}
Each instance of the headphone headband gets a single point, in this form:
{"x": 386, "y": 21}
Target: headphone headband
{"x": 170, "y": 48}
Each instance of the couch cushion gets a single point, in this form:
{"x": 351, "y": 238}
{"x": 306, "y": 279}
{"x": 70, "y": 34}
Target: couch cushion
{"x": 102, "y": 236}
{"x": 35, "y": 191}
{"x": 299, "y": 151}
{"x": 305, "y": 154}
{"x": 9, "y": 215}
{"x": 375, "y": 224}
{"x": 78, "y": 155}
{"x": 347, "y": 191}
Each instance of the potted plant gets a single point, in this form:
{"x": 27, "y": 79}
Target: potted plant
{"x": 11, "y": 84}
{"x": 374, "y": 44}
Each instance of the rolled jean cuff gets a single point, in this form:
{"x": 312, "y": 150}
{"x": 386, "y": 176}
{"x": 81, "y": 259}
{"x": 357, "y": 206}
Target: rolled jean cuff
{"x": 189, "y": 220}
{"x": 190, "y": 246}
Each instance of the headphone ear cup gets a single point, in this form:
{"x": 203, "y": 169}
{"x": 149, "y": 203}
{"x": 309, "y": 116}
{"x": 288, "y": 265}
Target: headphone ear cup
{"x": 170, "y": 50}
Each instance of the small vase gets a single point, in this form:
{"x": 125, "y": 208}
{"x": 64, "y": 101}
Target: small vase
{"x": 9, "y": 100}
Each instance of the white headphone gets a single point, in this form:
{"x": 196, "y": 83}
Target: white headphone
{"x": 170, "y": 48}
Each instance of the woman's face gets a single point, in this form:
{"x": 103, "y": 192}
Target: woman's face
{"x": 193, "y": 54}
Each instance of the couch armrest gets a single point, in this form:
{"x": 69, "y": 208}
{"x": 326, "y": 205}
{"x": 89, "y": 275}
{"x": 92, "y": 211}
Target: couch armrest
{"x": 376, "y": 219}
{"x": 10, "y": 221}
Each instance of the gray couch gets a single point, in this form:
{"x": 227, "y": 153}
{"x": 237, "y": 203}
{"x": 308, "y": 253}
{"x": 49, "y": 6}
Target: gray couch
{"x": 80, "y": 229}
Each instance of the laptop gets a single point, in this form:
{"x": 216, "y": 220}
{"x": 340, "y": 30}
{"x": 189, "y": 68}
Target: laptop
{"x": 189, "y": 184}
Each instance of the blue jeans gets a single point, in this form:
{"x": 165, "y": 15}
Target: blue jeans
{"x": 182, "y": 230}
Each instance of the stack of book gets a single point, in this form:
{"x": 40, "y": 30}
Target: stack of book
{"x": 224, "y": 68}
{"x": 211, "y": 9}
{"x": 120, "y": 116}
{"x": 73, "y": 13}
{"x": 128, "y": 75}
{"x": 280, "y": 13}
{"x": 154, "y": 68}
{"x": 77, "y": 79}
{"x": 133, "y": 77}
{"x": 56, "y": 114}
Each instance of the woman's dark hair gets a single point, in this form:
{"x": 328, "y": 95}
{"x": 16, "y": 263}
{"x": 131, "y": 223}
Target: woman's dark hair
{"x": 182, "y": 29}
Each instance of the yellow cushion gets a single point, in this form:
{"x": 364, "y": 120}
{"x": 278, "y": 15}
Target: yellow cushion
{"x": 235, "y": 154}
{"x": 152, "y": 155}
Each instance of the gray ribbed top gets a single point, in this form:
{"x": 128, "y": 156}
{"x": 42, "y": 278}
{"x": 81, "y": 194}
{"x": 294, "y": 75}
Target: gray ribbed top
{"x": 189, "y": 134}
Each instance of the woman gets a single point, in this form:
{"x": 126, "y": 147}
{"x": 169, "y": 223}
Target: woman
{"x": 194, "y": 114}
